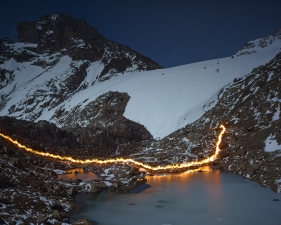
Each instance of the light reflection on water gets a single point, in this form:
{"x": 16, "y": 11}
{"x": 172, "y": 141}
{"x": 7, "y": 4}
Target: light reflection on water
{"x": 78, "y": 173}
{"x": 212, "y": 197}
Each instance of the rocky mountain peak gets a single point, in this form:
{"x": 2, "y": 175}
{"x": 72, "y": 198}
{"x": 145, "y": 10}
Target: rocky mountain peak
{"x": 59, "y": 56}
{"x": 74, "y": 37}
{"x": 260, "y": 44}
{"x": 54, "y": 33}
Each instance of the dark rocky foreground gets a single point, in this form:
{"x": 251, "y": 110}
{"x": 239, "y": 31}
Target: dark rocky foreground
{"x": 30, "y": 190}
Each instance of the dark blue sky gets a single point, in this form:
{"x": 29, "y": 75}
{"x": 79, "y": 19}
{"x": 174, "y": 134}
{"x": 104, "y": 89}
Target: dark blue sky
{"x": 171, "y": 32}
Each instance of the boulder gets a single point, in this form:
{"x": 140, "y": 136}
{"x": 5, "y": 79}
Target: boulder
{"x": 101, "y": 185}
{"x": 134, "y": 171}
{"x": 93, "y": 188}
{"x": 64, "y": 216}
{"x": 72, "y": 191}
{"x": 251, "y": 128}
{"x": 252, "y": 169}
{"x": 56, "y": 215}
{"x": 4, "y": 201}
{"x": 10, "y": 221}
{"x": 57, "y": 206}
{"x": 41, "y": 219}
{"x": 223, "y": 154}
{"x": 16, "y": 163}
{"x": 49, "y": 189}
{"x": 120, "y": 174}
{"x": 115, "y": 185}
{"x": 52, "y": 173}
{"x": 4, "y": 183}
{"x": 223, "y": 145}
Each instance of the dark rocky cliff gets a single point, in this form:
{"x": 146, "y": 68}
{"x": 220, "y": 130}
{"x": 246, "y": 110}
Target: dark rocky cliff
{"x": 102, "y": 127}
{"x": 61, "y": 32}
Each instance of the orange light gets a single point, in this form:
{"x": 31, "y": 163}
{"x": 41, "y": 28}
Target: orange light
{"x": 123, "y": 160}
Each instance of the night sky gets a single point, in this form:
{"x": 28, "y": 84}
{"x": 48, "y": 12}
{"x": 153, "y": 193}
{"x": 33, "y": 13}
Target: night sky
{"x": 171, "y": 32}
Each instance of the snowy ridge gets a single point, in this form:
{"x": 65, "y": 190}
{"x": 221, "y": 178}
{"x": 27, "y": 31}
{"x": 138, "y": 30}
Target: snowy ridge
{"x": 261, "y": 44}
{"x": 165, "y": 100}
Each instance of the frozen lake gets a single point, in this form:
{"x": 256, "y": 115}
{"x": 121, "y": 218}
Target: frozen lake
{"x": 207, "y": 198}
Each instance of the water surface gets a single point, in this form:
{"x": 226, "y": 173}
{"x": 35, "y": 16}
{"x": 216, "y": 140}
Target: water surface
{"x": 78, "y": 173}
{"x": 206, "y": 198}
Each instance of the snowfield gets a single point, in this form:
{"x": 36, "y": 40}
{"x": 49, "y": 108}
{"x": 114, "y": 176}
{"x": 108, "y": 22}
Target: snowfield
{"x": 165, "y": 100}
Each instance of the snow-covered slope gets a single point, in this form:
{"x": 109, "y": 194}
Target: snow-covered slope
{"x": 165, "y": 100}
{"x": 48, "y": 86}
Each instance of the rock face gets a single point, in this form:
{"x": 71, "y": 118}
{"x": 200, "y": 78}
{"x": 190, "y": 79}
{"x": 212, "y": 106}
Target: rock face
{"x": 43, "y": 136}
{"x": 97, "y": 130}
{"x": 61, "y": 31}
{"x": 54, "y": 33}
{"x": 102, "y": 126}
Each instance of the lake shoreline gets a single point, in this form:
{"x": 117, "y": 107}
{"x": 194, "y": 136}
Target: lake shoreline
{"x": 161, "y": 184}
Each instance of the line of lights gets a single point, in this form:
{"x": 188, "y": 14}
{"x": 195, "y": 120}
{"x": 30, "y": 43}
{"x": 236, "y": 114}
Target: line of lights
{"x": 123, "y": 160}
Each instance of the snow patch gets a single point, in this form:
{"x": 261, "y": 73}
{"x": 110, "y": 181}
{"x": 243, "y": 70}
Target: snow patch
{"x": 276, "y": 115}
{"x": 271, "y": 144}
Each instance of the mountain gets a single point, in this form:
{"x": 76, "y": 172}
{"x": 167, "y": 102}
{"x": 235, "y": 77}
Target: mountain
{"x": 67, "y": 90}
{"x": 50, "y": 75}
{"x": 59, "y": 73}
{"x": 56, "y": 58}
{"x": 165, "y": 100}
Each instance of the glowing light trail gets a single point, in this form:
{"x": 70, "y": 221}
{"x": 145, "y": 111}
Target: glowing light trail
{"x": 123, "y": 160}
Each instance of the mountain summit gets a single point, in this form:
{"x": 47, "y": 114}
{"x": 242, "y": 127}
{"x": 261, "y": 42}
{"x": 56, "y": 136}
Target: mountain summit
{"x": 56, "y": 58}
{"x": 74, "y": 37}
{"x": 261, "y": 44}
{"x": 61, "y": 31}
